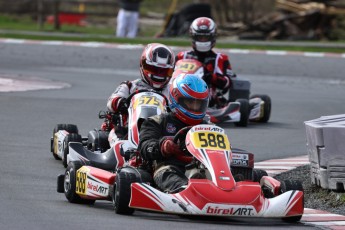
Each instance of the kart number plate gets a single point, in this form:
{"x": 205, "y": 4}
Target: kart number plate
{"x": 189, "y": 67}
{"x": 210, "y": 140}
{"x": 148, "y": 100}
{"x": 80, "y": 185}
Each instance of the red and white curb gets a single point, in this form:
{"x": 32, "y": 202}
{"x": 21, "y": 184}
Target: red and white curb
{"x": 140, "y": 46}
{"x": 325, "y": 219}
{"x": 277, "y": 166}
{"x": 313, "y": 217}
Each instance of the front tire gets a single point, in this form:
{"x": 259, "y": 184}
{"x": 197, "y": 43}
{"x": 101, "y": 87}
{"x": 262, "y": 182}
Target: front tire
{"x": 70, "y": 184}
{"x": 122, "y": 192}
{"x": 244, "y": 110}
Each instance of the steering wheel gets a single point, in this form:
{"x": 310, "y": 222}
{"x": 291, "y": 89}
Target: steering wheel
{"x": 180, "y": 139}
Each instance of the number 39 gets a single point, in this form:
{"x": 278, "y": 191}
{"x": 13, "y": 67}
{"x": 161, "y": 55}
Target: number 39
{"x": 212, "y": 140}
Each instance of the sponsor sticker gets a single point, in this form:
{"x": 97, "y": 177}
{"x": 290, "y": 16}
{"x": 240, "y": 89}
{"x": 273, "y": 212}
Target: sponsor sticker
{"x": 230, "y": 210}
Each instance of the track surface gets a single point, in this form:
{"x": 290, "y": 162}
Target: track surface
{"x": 301, "y": 88}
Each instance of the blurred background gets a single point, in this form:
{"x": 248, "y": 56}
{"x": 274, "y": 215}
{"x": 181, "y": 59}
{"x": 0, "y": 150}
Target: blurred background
{"x": 240, "y": 19}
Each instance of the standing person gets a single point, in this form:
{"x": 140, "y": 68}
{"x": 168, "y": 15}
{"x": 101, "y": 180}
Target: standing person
{"x": 217, "y": 67}
{"x": 156, "y": 67}
{"x": 128, "y": 18}
{"x": 188, "y": 101}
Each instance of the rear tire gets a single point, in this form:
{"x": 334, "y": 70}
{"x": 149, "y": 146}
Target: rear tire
{"x": 242, "y": 173}
{"x": 244, "y": 110}
{"x": 288, "y": 185}
{"x": 70, "y": 184}
{"x": 258, "y": 174}
{"x": 73, "y": 137}
{"x": 69, "y": 128}
{"x": 122, "y": 192}
{"x": 267, "y": 107}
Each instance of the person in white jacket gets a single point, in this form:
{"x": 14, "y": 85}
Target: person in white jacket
{"x": 157, "y": 64}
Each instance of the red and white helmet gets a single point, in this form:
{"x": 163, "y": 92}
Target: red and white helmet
{"x": 157, "y": 65}
{"x": 203, "y": 32}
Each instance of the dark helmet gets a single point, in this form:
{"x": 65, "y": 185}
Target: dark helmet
{"x": 157, "y": 65}
{"x": 203, "y": 32}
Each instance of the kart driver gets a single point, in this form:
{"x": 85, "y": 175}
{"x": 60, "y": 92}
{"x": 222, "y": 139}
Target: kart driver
{"x": 217, "y": 68}
{"x": 156, "y": 67}
{"x": 188, "y": 101}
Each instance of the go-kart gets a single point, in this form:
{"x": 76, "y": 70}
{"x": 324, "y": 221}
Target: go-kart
{"x": 142, "y": 104}
{"x": 233, "y": 106}
{"x": 218, "y": 193}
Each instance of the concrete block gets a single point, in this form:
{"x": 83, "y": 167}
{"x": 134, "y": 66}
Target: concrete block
{"x": 325, "y": 139}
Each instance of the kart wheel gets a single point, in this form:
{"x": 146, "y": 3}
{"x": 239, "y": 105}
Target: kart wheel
{"x": 69, "y": 128}
{"x": 244, "y": 110}
{"x": 73, "y": 137}
{"x": 70, "y": 184}
{"x": 242, "y": 173}
{"x": 288, "y": 185}
{"x": 267, "y": 107}
{"x": 258, "y": 174}
{"x": 122, "y": 192}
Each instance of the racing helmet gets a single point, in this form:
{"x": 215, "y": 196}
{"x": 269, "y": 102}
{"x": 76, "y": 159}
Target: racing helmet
{"x": 157, "y": 65}
{"x": 188, "y": 98}
{"x": 203, "y": 33}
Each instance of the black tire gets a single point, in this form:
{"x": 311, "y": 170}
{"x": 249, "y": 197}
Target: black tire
{"x": 69, "y": 128}
{"x": 288, "y": 185}
{"x": 244, "y": 110}
{"x": 267, "y": 107}
{"x": 70, "y": 184}
{"x": 242, "y": 173}
{"x": 122, "y": 192}
{"x": 258, "y": 174}
{"x": 72, "y": 137}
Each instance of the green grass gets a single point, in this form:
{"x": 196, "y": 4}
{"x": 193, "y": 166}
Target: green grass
{"x": 15, "y": 25}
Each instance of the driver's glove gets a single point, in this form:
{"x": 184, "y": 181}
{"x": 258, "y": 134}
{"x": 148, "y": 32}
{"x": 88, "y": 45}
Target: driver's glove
{"x": 208, "y": 77}
{"x": 119, "y": 104}
{"x": 168, "y": 148}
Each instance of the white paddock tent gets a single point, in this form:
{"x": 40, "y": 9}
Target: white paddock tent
{"x": 326, "y": 151}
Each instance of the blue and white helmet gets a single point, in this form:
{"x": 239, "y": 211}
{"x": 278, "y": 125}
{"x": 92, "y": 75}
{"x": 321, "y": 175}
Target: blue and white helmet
{"x": 189, "y": 98}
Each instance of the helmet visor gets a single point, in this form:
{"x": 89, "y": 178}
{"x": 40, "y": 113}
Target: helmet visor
{"x": 200, "y": 37}
{"x": 161, "y": 71}
{"x": 194, "y": 105}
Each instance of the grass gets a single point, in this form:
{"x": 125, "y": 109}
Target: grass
{"x": 14, "y": 27}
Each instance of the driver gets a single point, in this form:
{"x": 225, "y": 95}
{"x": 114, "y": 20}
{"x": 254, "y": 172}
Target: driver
{"x": 217, "y": 68}
{"x": 156, "y": 67}
{"x": 188, "y": 101}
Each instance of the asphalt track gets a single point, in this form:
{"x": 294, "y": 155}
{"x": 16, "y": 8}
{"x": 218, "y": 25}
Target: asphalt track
{"x": 301, "y": 88}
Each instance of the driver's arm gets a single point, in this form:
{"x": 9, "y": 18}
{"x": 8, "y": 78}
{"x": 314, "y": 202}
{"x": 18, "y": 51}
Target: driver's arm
{"x": 118, "y": 96}
{"x": 150, "y": 135}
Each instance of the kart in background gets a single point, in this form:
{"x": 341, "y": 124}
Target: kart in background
{"x": 142, "y": 104}
{"x": 236, "y": 105}
{"x": 219, "y": 191}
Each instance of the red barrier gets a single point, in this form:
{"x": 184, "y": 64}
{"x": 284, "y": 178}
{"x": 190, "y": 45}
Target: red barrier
{"x": 69, "y": 19}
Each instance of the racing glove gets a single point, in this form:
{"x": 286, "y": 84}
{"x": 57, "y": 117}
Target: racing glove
{"x": 168, "y": 148}
{"x": 209, "y": 78}
{"x": 119, "y": 104}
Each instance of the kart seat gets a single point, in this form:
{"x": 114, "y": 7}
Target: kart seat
{"x": 105, "y": 160}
